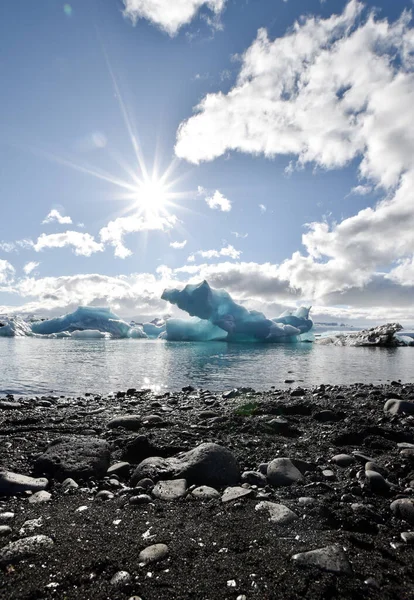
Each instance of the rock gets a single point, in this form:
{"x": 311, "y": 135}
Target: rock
{"x": 104, "y": 495}
{"x": 393, "y": 406}
{"x": 23, "y": 548}
{"x": 7, "y": 516}
{"x": 39, "y": 497}
{"x": 279, "y": 513}
{"x": 362, "y": 458}
{"x": 5, "y": 530}
{"x": 234, "y": 493}
{"x": 207, "y": 464}
{"x": 154, "y": 421}
{"x": 254, "y": 478}
{"x": 131, "y": 422}
{"x": 306, "y": 500}
{"x": 170, "y": 490}
{"x": 75, "y": 458}
{"x": 404, "y": 509}
{"x": 120, "y": 468}
{"x": 69, "y": 484}
{"x": 343, "y": 460}
{"x": 121, "y": 578}
{"x": 327, "y": 416}
{"x": 331, "y": 559}
{"x": 372, "y": 466}
{"x": 328, "y": 474}
{"x": 140, "y": 499}
{"x": 204, "y": 492}
{"x": 282, "y": 472}
{"x": 30, "y": 526}
{"x": 281, "y": 426}
{"x": 153, "y": 553}
{"x": 7, "y": 405}
{"x": 408, "y": 537}
{"x": 14, "y": 483}
{"x": 376, "y": 482}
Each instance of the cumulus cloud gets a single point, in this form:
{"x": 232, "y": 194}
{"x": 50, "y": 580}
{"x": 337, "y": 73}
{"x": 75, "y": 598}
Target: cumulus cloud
{"x": 7, "y": 272}
{"x": 178, "y": 245}
{"x": 330, "y": 91}
{"x": 83, "y": 244}
{"x": 218, "y": 201}
{"x": 30, "y": 266}
{"x": 55, "y": 217}
{"x": 228, "y": 251}
{"x": 115, "y": 231}
{"x": 170, "y": 15}
{"x": 361, "y": 190}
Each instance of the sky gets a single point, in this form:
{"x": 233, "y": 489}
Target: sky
{"x": 264, "y": 145}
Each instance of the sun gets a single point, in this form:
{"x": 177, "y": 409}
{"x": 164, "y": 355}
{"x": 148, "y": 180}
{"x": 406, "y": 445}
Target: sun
{"x": 151, "y": 197}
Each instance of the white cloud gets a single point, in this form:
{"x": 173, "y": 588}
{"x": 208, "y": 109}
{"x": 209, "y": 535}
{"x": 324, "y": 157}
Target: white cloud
{"x": 115, "y": 231}
{"x": 7, "y": 272}
{"x": 7, "y": 246}
{"x": 15, "y": 246}
{"x": 83, "y": 244}
{"x": 361, "y": 190}
{"x": 30, "y": 266}
{"x": 239, "y": 235}
{"x": 55, "y": 217}
{"x": 218, "y": 201}
{"x": 228, "y": 251}
{"x": 263, "y": 208}
{"x": 170, "y": 15}
{"x": 178, "y": 245}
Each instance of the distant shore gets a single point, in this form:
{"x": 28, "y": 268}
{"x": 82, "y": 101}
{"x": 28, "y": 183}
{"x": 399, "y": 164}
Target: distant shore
{"x": 228, "y": 544}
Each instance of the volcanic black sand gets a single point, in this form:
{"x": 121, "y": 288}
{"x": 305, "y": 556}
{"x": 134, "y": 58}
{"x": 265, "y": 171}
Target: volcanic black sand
{"x": 215, "y": 549}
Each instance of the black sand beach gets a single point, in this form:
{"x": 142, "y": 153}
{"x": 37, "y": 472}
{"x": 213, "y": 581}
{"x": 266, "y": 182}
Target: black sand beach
{"x": 217, "y": 546}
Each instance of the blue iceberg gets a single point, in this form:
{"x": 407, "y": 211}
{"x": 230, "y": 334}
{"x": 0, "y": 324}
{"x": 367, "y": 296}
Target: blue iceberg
{"x": 89, "y": 318}
{"x": 216, "y": 316}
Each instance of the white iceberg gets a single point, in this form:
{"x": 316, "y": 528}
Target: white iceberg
{"x": 14, "y": 327}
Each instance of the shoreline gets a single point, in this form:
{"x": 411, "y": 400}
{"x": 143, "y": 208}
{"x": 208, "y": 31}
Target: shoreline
{"x": 216, "y": 549}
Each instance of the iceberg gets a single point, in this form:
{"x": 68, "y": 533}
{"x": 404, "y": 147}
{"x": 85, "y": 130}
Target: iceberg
{"x": 386, "y": 336}
{"x": 88, "y": 318}
{"x": 14, "y": 327}
{"x": 152, "y": 330}
{"x": 89, "y": 334}
{"x": 217, "y": 316}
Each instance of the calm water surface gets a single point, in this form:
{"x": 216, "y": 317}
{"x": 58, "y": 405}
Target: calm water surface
{"x": 35, "y": 366}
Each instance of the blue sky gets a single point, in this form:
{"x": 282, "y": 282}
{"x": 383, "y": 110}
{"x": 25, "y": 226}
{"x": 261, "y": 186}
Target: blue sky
{"x": 268, "y": 127}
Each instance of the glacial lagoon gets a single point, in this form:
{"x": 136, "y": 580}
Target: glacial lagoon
{"x": 30, "y": 366}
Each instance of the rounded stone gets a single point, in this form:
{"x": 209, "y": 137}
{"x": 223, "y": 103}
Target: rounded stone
{"x": 282, "y": 472}
{"x": 153, "y": 553}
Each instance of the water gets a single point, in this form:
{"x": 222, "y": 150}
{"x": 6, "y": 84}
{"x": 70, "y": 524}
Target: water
{"x": 72, "y": 367}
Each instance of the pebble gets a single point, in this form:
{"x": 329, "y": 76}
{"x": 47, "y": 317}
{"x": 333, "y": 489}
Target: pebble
{"x": 404, "y": 509}
{"x": 170, "y": 490}
{"x": 282, "y": 472}
{"x": 7, "y": 516}
{"x": 234, "y": 493}
{"x": 254, "y": 478}
{"x": 328, "y": 474}
{"x": 120, "y": 468}
{"x": 205, "y": 492}
{"x": 140, "y": 499}
{"x": 104, "y": 495}
{"x": 130, "y": 422}
{"x": 393, "y": 406}
{"x": 39, "y": 497}
{"x": 408, "y": 537}
{"x": 377, "y": 483}
{"x": 153, "y": 553}
{"x": 15, "y": 483}
{"x": 23, "y": 548}
{"x": 69, "y": 483}
{"x": 306, "y": 500}
{"x": 343, "y": 460}
{"x": 330, "y": 558}
{"x": 121, "y": 578}
{"x": 30, "y": 526}
{"x": 279, "y": 513}
{"x": 5, "y": 530}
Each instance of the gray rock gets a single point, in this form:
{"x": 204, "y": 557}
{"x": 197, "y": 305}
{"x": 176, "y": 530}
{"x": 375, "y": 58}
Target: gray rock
{"x": 331, "y": 559}
{"x": 170, "y": 490}
{"x": 408, "y": 537}
{"x": 70, "y": 484}
{"x": 254, "y": 478}
{"x": 121, "y": 578}
{"x": 120, "y": 468}
{"x": 282, "y": 472}
{"x": 14, "y": 483}
{"x": 204, "y": 492}
{"x": 140, "y": 499}
{"x": 30, "y": 526}
{"x": 104, "y": 495}
{"x": 404, "y": 509}
{"x": 343, "y": 460}
{"x": 306, "y": 501}
{"x": 131, "y": 422}
{"x": 75, "y": 458}
{"x": 8, "y": 405}
{"x": 235, "y": 493}
{"x": 376, "y": 482}
{"x": 153, "y": 553}
{"x": 7, "y": 516}
{"x": 278, "y": 513}
{"x": 23, "y": 548}
{"x": 5, "y": 530}
{"x": 39, "y": 497}
{"x": 373, "y": 466}
{"x": 394, "y": 406}
{"x": 207, "y": 464}
{"x": 153, "y": 421}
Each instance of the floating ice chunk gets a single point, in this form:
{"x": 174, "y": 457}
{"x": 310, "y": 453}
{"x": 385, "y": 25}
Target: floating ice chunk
{"x": 87, "y": 318}
{"x": 152, "y": 330}
{"x": 383, "y": 335}
{"x": 14, "y": 327}
{"x": 90, "y": 334}
{"x": 217, "y": 308}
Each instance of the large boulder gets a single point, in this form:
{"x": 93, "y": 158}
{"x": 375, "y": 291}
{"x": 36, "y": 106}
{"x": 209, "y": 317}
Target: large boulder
{"x": 75, "y": 458}
{"x": 207, "y": 464}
